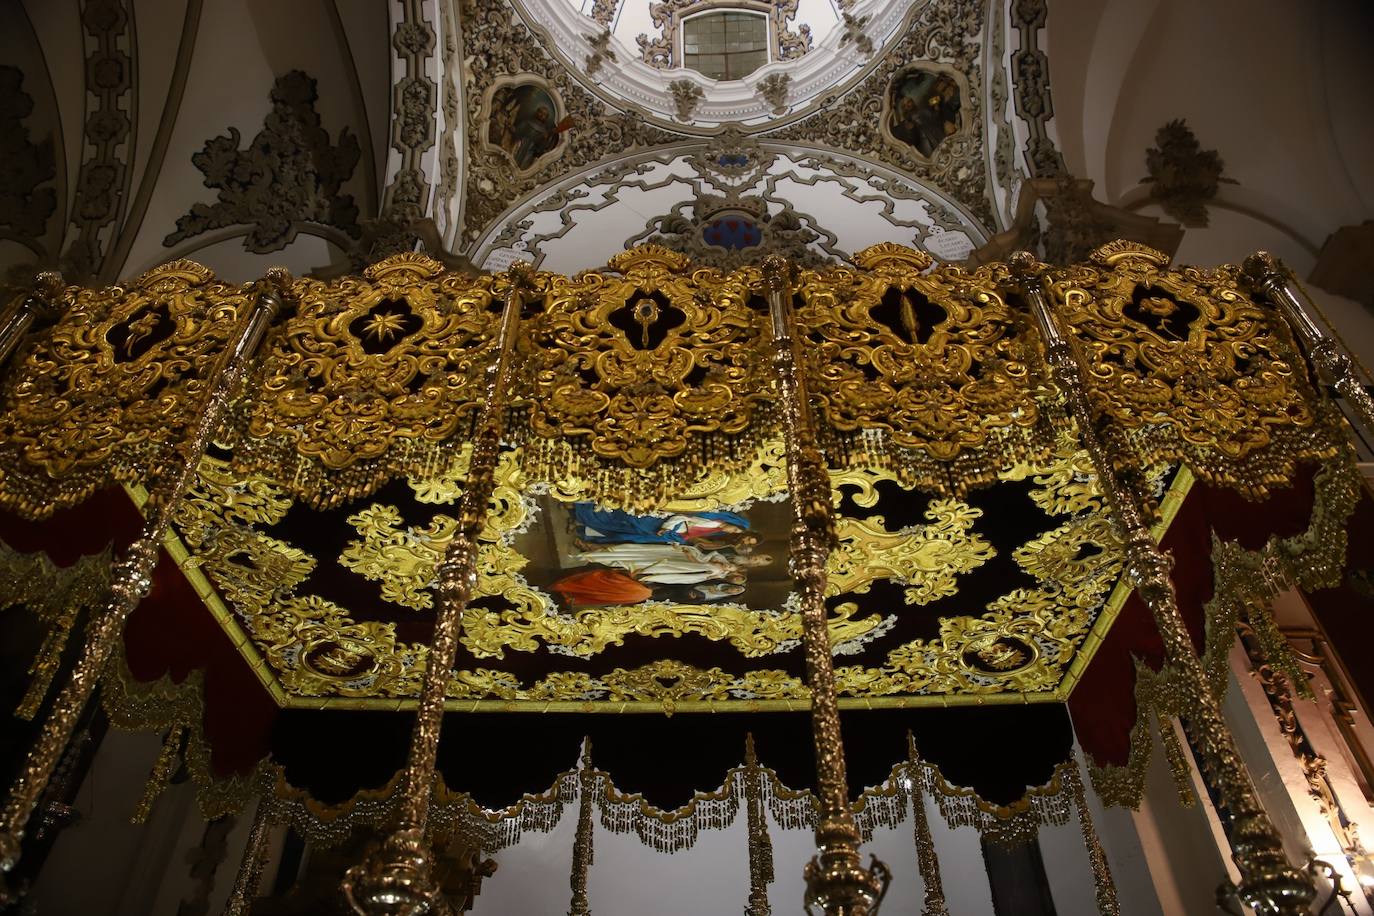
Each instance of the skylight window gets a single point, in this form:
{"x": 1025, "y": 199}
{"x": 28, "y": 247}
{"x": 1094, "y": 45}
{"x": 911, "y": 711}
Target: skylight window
{"x": 725, "y": 45}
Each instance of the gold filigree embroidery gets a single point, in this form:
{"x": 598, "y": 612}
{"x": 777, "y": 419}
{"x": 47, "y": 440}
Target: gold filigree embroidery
{"x": 110, "y": 392}
{"x": 927, "y": 559}
{"x": 645, "y": 366}
{"x": 924, "y": 371}
{"x": 1190, "y": 368}
{"x": 371, "y": 378}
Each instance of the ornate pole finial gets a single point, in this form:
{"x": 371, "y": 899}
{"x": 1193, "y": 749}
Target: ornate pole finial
{"x": 927, "y": 860}
{"x": 39, "y": 307}
{"x": 130, "y": 580}
{"x": 756, "y": 823}
{"x": 1269, "y": 883}
{"x": 1270, "y": 278}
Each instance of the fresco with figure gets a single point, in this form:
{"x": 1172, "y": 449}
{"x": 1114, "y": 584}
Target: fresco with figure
{"x": 524, "y": 123}
{"x": 924, "y": 108}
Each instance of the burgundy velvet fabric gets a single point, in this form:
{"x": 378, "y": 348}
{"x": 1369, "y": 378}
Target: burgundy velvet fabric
{"x": 1102, "y": 704}
{"x": 173, "y": 633}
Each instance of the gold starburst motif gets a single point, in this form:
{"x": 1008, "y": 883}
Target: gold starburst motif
{"x": 383, "y": 326}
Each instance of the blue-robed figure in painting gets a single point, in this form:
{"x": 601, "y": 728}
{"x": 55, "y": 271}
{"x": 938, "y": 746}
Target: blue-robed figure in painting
{"x": 707, "y": 530}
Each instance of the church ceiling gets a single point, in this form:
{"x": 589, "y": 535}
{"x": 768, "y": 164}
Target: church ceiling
{"x": 725, "y": 204}
{"x": 925, "y": 113}
{"x": 460, "y": 122}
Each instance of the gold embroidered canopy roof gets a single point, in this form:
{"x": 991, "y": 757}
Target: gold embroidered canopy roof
{"x": 635, "y": 554}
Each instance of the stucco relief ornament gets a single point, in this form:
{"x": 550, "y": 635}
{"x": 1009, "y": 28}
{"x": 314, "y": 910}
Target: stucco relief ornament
{"x": 601, "y": 52}
{"x": 291, "y": 173}
{"x": 500, "y": 50}
{"x": 24, "y": 206}
{"x": 774, "y": 89}
{"x": 946, "y": 38}
{"x": 854, "y": 33}
{"x": 1182, "y": 175}
{"x": 660, "y": 51}
{"x": 686, "y": 96}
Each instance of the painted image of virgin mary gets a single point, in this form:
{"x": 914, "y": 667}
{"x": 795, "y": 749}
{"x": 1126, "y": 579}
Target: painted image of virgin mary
{"x": 705, "y": 530}
{"x": 598, "y": 587}
{"x": 672, "y": 564}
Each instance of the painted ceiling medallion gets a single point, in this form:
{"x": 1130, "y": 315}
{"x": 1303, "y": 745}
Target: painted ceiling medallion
{"x": 525, "y": 121}
{"x": 924, "y": 108}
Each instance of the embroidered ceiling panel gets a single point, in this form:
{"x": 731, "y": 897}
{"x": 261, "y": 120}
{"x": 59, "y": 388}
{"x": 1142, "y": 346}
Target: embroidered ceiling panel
{"x": 686, "y": 606}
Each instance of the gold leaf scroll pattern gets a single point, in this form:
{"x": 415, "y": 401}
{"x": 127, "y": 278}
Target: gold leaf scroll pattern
{"x": 649, "y": 366}
{"x": 943, "y": 384}
{"x": 371, "y": 378}
{"x": 404, "y": 561}
{"x": 220, "y": 497}
{"x": 764, "y": 478}
{"x": 110, "y": 392}
{"x": 1222, "y": 392}
{"x": 1063, "y": 486}
{"x": 1028, "y": 634}
{"x": 318, "y": 651}
{"x": 927, "y": 559}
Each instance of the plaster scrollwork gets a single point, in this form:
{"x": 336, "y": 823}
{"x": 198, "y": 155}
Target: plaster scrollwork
{"x": 449, "y": 194}
{"x": 1183, "y": 176}
{"x": 661, "y": 50}
{"x": 600, "y": 52}
{"x": 103, "y": 180}
{"x": 735, "y": 198}
{"x": 1031, "y": 75}
{"x": 603, "y": 12}
{"x": 828, "y": 68}
{"x": 686, "y": 95}
{"x": 291, "y": 173}
{"x": 774, "y": 90}
{"x": 855, "y": 32}
{"x": 415, "y": 99}
{"x": 1006, "y": 173}
{"x": 25, "y": 205}
{"x": 499, "y": 45}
